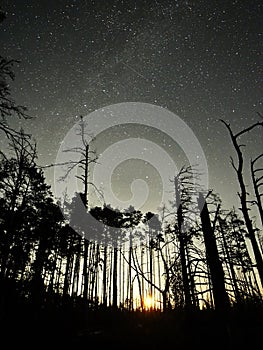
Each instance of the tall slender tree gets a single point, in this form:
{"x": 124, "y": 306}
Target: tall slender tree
{"x": 217, "y": 274}
{"x": 243, "y": 195}
{"x": 257, "y": 180}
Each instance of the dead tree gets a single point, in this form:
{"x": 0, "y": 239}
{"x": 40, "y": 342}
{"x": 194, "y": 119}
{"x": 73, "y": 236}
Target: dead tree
{"x": 227, "y": 250}
{"x": 257, "y": 183}
{"x": 243, "y": 195}
{"x": 186, "y": 186}
{"x": 216, "y": 270}
{"x": 182, "y": 240}
{"x": 87, "y": 157}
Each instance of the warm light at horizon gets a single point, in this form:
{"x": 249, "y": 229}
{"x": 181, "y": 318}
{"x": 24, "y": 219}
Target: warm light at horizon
{"x": 148, "y": 303}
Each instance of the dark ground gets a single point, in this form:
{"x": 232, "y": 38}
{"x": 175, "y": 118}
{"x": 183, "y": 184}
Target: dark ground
{"x": 50, "y": 321}
{"x": 71, "y": 327}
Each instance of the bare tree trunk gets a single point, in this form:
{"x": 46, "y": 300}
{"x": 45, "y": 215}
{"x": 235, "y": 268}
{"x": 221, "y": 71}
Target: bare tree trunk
{"x": 110, "y": 277}
{"x": 181, "y": 237}
{"x": 104, "y": 278}
{"x": 217, "y": 274}
{"x": 142, "y": 268}
{"x": 96, "y": 295}
{"x": 85, "y": 270}
{"x": 58, "y": 274}
{"x": 191, "y": 279}
{"x": 151, "y": 262}
{"x": 67, "y": 279}
{"x": 90, "y": 270}
{"x": 230, "y": 263}
{"x": 94, "y": 263}
{"x": 129, "y": 277}
{"x": 123, "y": 279}
{"x": 257, "y": 182}
{"x": 114, "y": 278}
{"x": 76, "y": 273}
{"x": 243, "y": 195}
{"x": 53, "y": 274}
{"x": 139, "y": 281}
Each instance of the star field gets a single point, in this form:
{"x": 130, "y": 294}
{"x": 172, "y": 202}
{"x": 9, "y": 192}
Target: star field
{"x": 199, "y": 59}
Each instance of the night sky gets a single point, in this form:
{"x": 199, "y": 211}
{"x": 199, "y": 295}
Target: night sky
{"x": 198, "y": 59}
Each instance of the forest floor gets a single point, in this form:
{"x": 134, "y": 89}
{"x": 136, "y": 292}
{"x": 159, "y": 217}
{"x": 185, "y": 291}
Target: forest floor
{"x": 106, "y": 329}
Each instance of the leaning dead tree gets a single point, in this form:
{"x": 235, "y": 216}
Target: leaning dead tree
{"x": 243, "y": 195}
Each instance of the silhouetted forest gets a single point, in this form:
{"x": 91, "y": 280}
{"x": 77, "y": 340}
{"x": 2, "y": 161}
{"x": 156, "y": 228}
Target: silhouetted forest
{"x": 191, "y": 276}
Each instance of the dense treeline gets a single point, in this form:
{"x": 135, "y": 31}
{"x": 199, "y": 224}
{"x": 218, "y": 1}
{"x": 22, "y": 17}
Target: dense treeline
{"x": 140, "y": 260}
